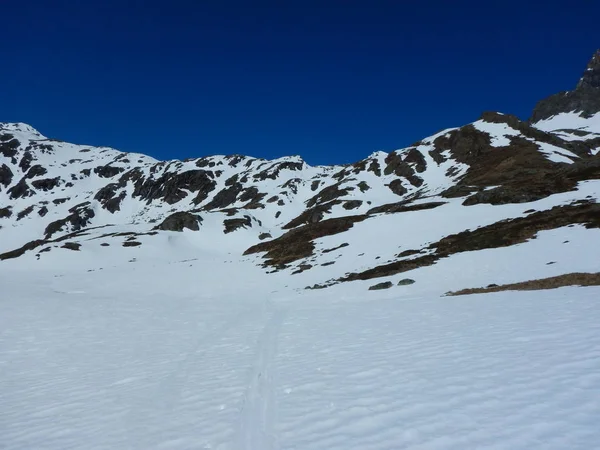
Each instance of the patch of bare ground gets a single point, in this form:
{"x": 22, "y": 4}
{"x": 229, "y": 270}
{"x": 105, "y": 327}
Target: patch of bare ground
{"x": 298, "y": 243}
{"x": 500, "y": 234}
{"x": 569, "y": 279}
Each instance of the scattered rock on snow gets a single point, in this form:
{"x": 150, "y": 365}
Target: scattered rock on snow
{"x": 380, "y": 286}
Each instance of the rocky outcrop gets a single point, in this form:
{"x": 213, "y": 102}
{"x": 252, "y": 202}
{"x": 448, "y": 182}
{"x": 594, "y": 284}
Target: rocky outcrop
{"x": 180, "y": 221}
{"x": 6, "y": 175}
{"x": 584, "y": 99}
{"x": 591, "y": 76}
{"x": 232, "y": 225}
{"x": 79, "y": 217}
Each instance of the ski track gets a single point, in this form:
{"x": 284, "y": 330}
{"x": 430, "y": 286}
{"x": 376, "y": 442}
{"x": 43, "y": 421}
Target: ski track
{"x": 256, "y": 430}
{"x": 167, "y": 395}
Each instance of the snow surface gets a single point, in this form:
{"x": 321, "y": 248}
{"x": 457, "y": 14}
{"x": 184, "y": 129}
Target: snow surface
{"x": 571, "y": 121}
{"x": 193, "y": 348}
{"x": 499, "y": 132}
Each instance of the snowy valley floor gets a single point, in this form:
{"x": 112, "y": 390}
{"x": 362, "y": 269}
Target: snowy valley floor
{"x": 157, "y": 358}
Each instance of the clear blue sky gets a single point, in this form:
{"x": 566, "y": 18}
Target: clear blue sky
{"x": 329, "y": 80}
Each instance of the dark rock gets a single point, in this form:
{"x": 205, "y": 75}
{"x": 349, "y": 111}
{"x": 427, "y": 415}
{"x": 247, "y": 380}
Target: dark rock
{"x": 105, "y": 244}
{"x": 172, "y": 186}
{"x": 58, "y": 201}
{"x": 80, "y": 217}
{"x": 436, "y": 155}
{"x": 131, "y": 244}
{"x": 380, "y": 286}
{"x": 261, "y": 236}
{"x": 329, "y": 250}
{"x": 591, "y": 76}
{"x": 5, "y": 212}
{"x": 457, "y": 191}
{"x": 225, "y": 197}
{"x": 311, "y": 215}
{"x": 108, "y": 171}
{"x": 406, "y": 253}
{"x": 234, "y": 224}
{"x": 25, "y": 212}
{"x": 585, "y": 99}
{"x": 231, "y": 180}
{"x": 252, "y": 196}
{"x": 26, "y": 160}
{"x": 21, "y": 251}
{"x": 36, "y": 171}
{"x": 327, "y": 194}
{"x": 315, "y": 185}
{"x": 406, "y": 282}
{"x": 46, "y": 184}
{"x": 6, "y": 175}
{"x": 180, "y": 220}
{"x": 273, "y": 171}
{"x": 404, "y": 206}
{"x": 397, "y": 188}
{"x": 72, "y": 246}
{"x": 352, "y": 204}
{"x": 404, "y": 167}
{"x": 302, "y": 268}
{"x": 20, "y": 190}
{"x": 9, "y": 148}
{"x": 298, "y": 243}
{"x": 108, "y": 198}
{"x": 363, "y": 186}
{"x": 43, "y": 211}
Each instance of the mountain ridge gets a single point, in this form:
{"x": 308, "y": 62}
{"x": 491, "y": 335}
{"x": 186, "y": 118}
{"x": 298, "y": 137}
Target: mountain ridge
{"x": 279, "y": 211}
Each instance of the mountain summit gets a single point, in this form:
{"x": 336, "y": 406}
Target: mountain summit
{"x": 591, "y": 76}
{"x": 584, "y": 100}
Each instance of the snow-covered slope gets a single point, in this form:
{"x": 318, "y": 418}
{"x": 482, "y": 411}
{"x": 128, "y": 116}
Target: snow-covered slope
{"x": 60, "y": 198}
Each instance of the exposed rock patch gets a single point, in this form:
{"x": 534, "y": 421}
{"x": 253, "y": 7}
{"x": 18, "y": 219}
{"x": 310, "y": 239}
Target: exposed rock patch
{"x": 298, "y": 243}
{"x": 232, "y": 225}
{"x": 500, "y": 234}
{"x": 179, "y": 221}
{"x": 381, "y": 286}
{"x": 570, "y": 279}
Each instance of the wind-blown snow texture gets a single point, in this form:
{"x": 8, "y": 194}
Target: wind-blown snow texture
{"x": 166, "y": 305}
{"x": 119, "y": 359}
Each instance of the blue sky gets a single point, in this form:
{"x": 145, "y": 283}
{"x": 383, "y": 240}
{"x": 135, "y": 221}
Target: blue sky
{"x": 330, "y": 80}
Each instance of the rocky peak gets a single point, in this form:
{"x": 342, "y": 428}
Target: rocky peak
{"x": 583, "y": 100}
{"x": 591, "y": 76}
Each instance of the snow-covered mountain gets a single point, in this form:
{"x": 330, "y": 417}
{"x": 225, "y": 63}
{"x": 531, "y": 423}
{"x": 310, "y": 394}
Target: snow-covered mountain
{"x": 164, "y": 305}
{"x": 493, "y": 183}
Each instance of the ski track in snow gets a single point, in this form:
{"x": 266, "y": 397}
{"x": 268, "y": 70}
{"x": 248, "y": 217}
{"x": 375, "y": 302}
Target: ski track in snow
{"x": 167, "y": 395}
{"x": 258, "y": 408}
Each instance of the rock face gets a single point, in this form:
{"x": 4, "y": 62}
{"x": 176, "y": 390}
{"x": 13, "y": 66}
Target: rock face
{"x": 585, "y": 99}
{"x": 381, "y": 286}
{"x": 591, "y": 76}
{"x": 180, "y": 220}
